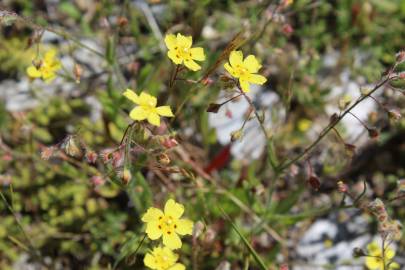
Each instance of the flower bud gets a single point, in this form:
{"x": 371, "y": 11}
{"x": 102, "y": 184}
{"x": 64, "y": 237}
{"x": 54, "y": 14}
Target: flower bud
{"x": 344, "y": 102}
{"x": 126, "y": 176}
{"x": 314, "y": 182}
{"x": 91, "y": 156}
{"x": 236, "y": 135}
{"x": 97, "y": 180}
{"x": 400, "y": 57}
{"x": 350, "y": 148}
{"x": 342, "y": 187}
{"x": 373, "y": 133}
{"x": 213, "y": 107}
{"x": 394, "y": 114}
{"x": 163, "y": 159}
{"x": 122, "y": 21}
{"x": 47, "y": 152}
{"x": 169, "y": 142}
{"x": 77, "y": 72}
{"x": 358, "y": 252}
{"x": 365, "y": 91}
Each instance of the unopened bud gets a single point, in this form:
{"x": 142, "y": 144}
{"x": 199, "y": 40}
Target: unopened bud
{"x": 207, "y": 81}
{"x": 236, "y": 135}
{"x": 394, "y": 114}
{"x": 47, "y": 152}
{"x": 350, "y": 148}
{"x": 287, "y": 29}
{"x": 373, "y": 133}
{"x": 198, "y": 229}
{"x": 344, "y": 102}
{"x": 314, "y": 182}
{"x": 333, "y": 118}
{"x": 342, "y": 187}
{"x": 91, "y": 156}
{"x": 122, "y": 21}
{"x": 365, "y": 91}
{"x": 284, "y": 267}
{"x": 77, "y": 72}
{"x": 400, "y": 57}
{"x": 37, "y": 63}
{"x": 163, "y": 159}
{"x": 213, "y": 107}
{"x": 169, "y": 142}
{"x": 126, "y": 176}
{"x": 97, "y": 180}
{"x": 358, "y": 252}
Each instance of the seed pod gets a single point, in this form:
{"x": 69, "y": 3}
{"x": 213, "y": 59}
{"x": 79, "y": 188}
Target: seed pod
{"x": 213, "y": 107}
{"x": 163, "y": 159}
{"x": 314, "y": 182}
{"x": 236, "y": 135}
{"x": 358, "y": 252}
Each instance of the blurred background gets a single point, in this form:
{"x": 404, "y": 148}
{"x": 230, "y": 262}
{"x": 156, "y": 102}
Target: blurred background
{"x": 66, "y": 203}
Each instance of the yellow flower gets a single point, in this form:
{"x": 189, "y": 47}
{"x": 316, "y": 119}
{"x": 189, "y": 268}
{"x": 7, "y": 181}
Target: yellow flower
{"x": 180, "y": 51}
{"x": 375, "y": 262}
{"x": 146, "y": 108}
{"x": 245, "y": 70}
{"x": 46, "y": 68}
{"x": 162, "y": 258}
{"x": 167, "y": 224}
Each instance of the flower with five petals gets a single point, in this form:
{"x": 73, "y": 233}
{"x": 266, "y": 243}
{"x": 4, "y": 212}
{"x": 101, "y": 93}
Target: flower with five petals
{"x": 146, "y": 109}
{"x": 162, "y": 258}
{"x": 167, "y": 224}
{"x": 244, "y": 69}
{"x": 46, "y": 68}
{"x": 180, "y": 51}
{"x": 374, "y": 260}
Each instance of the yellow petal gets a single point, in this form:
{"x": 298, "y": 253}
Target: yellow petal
{"x": 150, "y": 261}
{"x": 147, "y": 100}
{"x": 190, "y": 64}
{"x": 230, "y": 70}
{"x": 236, "y": 58}
{"x": 389, "y": 253}
{"x": 172, "y": 240}
{"x": 152, "y": 230}
{"x": 171, "y": 256}
{"x": 173, "y": 209}
{"x": 33, "y": 72}
{"x": 164, "y": 111}
{"x": 152, "y": 214}
{"x": 50, "y": 55}
{"x": 170, "y": 41}
{"x": 197, "y": 54}
{"x": 131, "y": 95}
{"x": 175, "y": 57}
{"x": 257, "y": 79}
{"x": 251, "y": 64}
{"x": 184, "y": 226}
{"x": 177, "y": 266}
{"x": 138, "y": 113}
{"x": 393, "y": 266}
{"x": 373, "y": 263}
{"x": 184, "y": 41}
{"x": 154, "y": 119}
{"x": 244, "y": 85}
{"x": 48, "y": 75}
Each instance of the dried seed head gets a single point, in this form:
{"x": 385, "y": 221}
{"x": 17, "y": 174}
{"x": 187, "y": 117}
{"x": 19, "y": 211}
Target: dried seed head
{"x": 71, "y": 147}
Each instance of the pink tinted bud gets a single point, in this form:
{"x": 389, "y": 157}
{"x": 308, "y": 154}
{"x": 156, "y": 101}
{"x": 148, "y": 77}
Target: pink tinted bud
{"x": 284, "y": 267}
{"x": 207, "y": 81}
{"x": 91, "y": 157}
{"x": 169, "y": 143}
{"x": 7, "y": 157}
{"x": 97, "y": 180}
{"x": 287, "y": 29}
{"x": 342, "y": 187}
